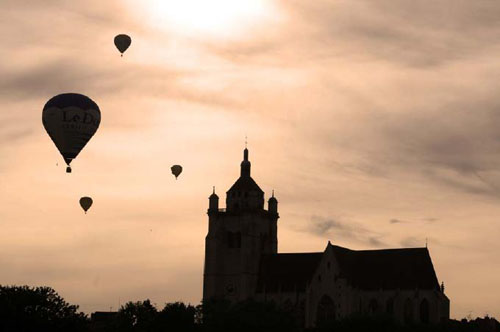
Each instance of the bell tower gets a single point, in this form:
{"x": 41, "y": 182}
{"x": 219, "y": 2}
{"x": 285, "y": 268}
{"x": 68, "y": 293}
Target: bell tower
{"x": 237, "y": 237}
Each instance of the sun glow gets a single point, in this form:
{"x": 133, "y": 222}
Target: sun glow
{"x": 216, "y": 18}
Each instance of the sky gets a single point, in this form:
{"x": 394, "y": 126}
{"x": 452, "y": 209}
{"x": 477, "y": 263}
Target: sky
{"x": 377, "y": 123}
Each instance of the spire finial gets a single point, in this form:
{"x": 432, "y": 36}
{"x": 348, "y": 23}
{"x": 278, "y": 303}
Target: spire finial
{"x": 273, "y": 193}
{"x": 246, "y": 141}
{"x": 245, "y": 164}
{"x": 245, "y": 154}
{"x": 214, "y": 190}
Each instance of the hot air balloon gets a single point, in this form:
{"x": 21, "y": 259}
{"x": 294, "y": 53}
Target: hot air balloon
{"x": 85, "y": 203}
{"x": 176, "y": 170}
{"x": 122, "y": 42}
{"x": 70, "y": 119}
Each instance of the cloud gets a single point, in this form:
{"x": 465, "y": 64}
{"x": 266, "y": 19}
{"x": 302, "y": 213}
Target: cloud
{"x": 404, "y": 111}
{"x": 399, "y": 221}
{"x": 376, "y": 242}
{"x": 321, "y": 226}
{"x": 407, "y": 33}
{"x": 412, "y": 242}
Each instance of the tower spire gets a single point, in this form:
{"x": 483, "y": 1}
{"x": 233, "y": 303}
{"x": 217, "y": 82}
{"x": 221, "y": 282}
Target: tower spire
{"x": 245, "y": 154}
{"x": 245, "y": 164}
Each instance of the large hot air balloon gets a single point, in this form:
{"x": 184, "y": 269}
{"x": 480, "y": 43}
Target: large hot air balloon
{"x": 70, "y": 119}
{"x": 86, "y": 203}
{"x": 176, "y": 170}
{"x": 122, "y": 42}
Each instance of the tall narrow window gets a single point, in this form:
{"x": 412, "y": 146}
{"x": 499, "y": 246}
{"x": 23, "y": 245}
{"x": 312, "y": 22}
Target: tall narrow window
{"x": 389, "y": 309}
{"x": 408, "y": 311}
{"x": 373, "y": 307}
{"x": 238, "y": 240}
{"x": 424, "y": 311}
{"x": 230, "y": 240}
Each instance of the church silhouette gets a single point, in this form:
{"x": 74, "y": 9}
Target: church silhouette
{"x": 242, "y": 262}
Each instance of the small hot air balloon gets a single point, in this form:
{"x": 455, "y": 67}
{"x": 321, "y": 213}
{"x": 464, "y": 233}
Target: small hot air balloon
{"x": 122, "y": 42}
{"x": 86, "y": 203}
{"x": 70, "y": 119}
{"x": 176, "y": 170}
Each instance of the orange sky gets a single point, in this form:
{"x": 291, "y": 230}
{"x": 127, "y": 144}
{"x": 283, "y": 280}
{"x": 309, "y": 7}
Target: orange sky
{"x": 377, "y": 124}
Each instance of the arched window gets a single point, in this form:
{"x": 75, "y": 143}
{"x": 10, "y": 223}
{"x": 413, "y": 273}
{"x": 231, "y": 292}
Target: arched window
{"x": 373, "y": 307}
{"x": 424, "y": 311}
{"x": 389, "y": 307}
{"x": 408, "y": 311}
{"x": 325, "y": 311}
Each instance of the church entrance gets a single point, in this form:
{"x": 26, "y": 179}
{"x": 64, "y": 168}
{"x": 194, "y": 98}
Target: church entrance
{"x": 326, "y": 311}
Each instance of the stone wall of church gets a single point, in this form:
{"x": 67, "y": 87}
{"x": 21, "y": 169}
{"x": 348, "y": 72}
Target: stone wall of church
{"x": 234, "y": 245}
{"x": 336, "y": 300}
{"x": 329, "y": 296}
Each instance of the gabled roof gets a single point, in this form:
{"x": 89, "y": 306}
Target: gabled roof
{"x": 287, "y": 270}
{"x": 406, "y": 268}
{"x": 245, "y": 183}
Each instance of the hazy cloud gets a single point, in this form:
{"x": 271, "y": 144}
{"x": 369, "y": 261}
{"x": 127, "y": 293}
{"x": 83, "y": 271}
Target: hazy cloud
{"x": 412, "y": 242}
{"x": 399, "y": 221}
{"x": 334, "y": 228}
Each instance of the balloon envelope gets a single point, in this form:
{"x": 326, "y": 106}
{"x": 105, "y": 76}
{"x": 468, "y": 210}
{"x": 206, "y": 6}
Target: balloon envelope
{"x": 122, "y": 42}
{"x": 176, "y": 170}
{"x": 70, "y": 119}
{"x": 86, "y": 203}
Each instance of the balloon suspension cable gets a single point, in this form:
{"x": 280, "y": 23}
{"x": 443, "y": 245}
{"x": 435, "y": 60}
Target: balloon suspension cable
{"x": 121, "y": 55}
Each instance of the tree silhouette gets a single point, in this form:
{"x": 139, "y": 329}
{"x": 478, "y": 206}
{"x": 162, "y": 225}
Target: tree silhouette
{"x": 177, "y": 317}
{"x": 25, "y": 309}
{"x": 137, "y": 316}
{"x": 249, "y": 315}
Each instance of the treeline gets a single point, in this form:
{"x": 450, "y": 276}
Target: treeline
{"x": 27, "y": 309}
